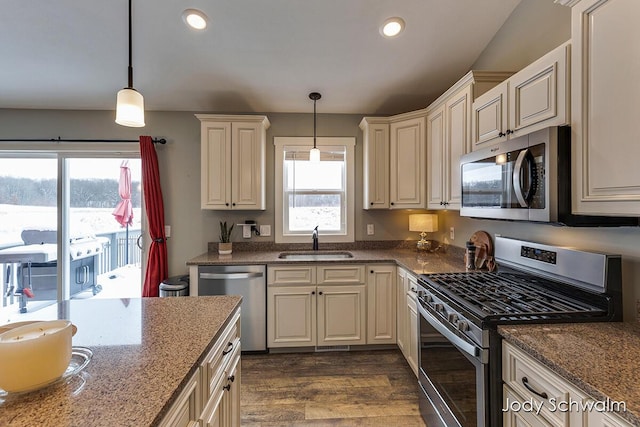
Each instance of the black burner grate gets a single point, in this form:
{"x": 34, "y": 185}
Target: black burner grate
{"x": 507, "y": 295}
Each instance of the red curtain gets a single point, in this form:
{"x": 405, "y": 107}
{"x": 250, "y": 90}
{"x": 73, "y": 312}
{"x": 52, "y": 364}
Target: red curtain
{"x": 157, "y": 269}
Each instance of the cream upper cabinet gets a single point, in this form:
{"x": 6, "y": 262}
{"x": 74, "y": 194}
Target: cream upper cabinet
{"x": 376, "y": 163}
{"x": 449, "y": 136}
{"x": 233, "y": 161}
{"x": 605, "y": 107}
{"x": 407, "y": 184}
{"x": 394, "y": 165}
{"x": 534, "y": 98}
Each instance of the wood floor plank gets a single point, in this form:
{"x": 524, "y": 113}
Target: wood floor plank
{"x": 374, "y": 388}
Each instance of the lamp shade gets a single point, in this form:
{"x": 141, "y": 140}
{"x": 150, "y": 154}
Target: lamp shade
{"x": 314, "y": 155}
{"x": 130, "y": 108}
{"x": 423, "y": 222}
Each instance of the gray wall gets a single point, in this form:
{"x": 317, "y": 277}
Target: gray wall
{"x": 179, "y": 160}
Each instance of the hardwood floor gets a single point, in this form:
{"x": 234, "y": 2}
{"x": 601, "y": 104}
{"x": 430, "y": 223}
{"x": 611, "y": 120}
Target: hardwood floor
{"x": 356, "y": 388}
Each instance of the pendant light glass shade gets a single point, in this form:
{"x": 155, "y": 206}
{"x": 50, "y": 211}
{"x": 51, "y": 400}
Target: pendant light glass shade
{"x": 314, "y": 155}
{"x": 130, "y": 103}
{"x": 130, "y": 108}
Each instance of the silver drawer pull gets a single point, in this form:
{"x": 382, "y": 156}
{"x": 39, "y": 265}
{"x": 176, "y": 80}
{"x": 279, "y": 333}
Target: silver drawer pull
{"x": 229, "y": 276}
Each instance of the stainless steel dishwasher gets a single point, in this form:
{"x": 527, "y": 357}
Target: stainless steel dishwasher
{"x": 249, "y": 281}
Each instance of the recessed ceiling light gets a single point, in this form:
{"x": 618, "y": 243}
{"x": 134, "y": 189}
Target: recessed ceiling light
{"x": 195, "y": 19}
{"x": 392, "y": 27}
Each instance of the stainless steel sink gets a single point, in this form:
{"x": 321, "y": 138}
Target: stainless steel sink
{"x": 315, "y": 255}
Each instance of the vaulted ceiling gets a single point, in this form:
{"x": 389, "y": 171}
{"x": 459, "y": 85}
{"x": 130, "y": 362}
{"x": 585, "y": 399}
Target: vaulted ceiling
{"x": 255, "y": 56}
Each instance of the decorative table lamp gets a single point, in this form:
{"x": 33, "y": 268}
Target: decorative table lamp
{"x": 424, "y": 223}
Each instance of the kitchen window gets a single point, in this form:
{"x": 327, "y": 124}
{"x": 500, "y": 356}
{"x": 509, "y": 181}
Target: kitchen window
{"x": 312, "y": 194}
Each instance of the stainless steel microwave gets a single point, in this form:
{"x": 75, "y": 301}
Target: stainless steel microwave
{"x": 526, "y": 179}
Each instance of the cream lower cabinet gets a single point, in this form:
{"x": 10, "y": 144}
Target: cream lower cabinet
{"x": 381, "y": 304}
{"x": 534, "y": 98}
{"x": 604, "y": 107}
{"x": 233, "y": 150}
{"x": 407, "y": 284}
{"x": 534, "y": 395}
{"x": 212, "y": 395}
{"x": 323, "y": 305}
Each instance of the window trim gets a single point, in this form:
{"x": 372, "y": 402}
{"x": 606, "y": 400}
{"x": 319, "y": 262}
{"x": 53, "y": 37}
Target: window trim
{"x": 307, "y": 143}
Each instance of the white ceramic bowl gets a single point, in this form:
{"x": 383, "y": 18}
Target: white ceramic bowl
{"x": 34, "y": 354}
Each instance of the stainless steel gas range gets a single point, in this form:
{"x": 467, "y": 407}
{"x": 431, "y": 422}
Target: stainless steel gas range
{"x": 460, "y": 348}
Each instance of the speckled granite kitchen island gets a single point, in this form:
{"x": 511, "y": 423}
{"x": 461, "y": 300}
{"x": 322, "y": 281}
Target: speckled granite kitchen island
{"x": 602, "y": 359}
{"x": 144, "y": 351}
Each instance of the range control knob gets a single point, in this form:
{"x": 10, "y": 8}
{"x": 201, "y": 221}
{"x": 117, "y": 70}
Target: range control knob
{"x": 463, "y": 326}
{"x": 453, "y": 318}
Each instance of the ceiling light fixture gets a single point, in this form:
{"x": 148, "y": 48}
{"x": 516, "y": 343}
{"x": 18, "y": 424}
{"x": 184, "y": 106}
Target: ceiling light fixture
{"x": 392, "y": 27}
{"x": 130, "y": 103}
{"x": 195, "y": 19}
{"x": 314, "y": 153}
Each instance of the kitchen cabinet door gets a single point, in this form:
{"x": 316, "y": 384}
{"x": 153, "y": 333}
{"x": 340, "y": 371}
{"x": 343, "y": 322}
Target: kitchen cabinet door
{"x": 539, "y": 94}
{"x": 215, "y": 157}
{"x": 375, "y": 164}
{"x": 489, "y": 117}
{"x": 248, "y": 166}
{"x": 402, "y": 311}
{"x": 408, "y": 164}
{"x": 232, "y": 162}
{"x": 534, "y": 98}
{"x": 457, "y": 142}
{"x": 413, "y": 332}
{"x": 381, "y": 304}
{"x": 291, "y": 316}
{"x": 436, "y": 148}
{"x": 605, "y": 108}
{"x": 341, "y": 315}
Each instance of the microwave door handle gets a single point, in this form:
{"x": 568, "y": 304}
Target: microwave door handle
{"x": 517, "y": 181}
{"x": 470, "y": 349}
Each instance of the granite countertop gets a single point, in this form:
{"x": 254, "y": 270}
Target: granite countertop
{"x": 144, "y": 351}
{"x": 418, "y": 262}
{"x": 599, "y": 358}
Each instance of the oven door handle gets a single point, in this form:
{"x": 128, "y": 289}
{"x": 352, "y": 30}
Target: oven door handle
{"x": 470, "y": 349}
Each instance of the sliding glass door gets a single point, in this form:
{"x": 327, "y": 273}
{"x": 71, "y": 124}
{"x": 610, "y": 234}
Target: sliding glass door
{"x": 70, "y": 227}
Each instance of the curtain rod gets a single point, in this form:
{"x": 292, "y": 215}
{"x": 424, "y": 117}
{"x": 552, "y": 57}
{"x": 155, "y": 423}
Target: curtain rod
{"x": 154, "y": 140}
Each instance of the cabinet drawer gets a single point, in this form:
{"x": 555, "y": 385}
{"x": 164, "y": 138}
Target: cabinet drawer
{"x": 341, "y": 274}
{"x": 530, "y": 379}
{"x": 218, "y": 358}
{"x": 291, "y": 275}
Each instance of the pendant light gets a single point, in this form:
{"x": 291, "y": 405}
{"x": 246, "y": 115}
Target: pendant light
{"x": 130, "y": 103}
{"x": 314, "y": 153}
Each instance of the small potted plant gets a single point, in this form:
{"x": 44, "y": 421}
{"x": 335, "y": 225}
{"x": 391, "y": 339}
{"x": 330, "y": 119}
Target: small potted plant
{"x": 225, "y": 246}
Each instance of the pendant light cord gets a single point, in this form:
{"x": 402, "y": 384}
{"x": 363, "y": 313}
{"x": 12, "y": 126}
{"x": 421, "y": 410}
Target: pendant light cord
{"x": 314, "y": 96}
